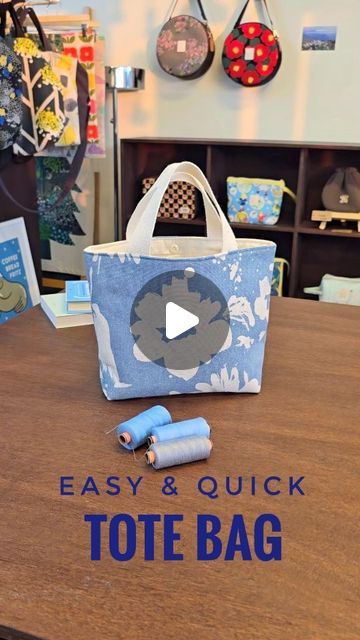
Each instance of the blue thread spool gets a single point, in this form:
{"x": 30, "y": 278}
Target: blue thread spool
{"x": 194, "y": 427}
{"x": 180, "y": 451}
{"x": 134, "y": 432}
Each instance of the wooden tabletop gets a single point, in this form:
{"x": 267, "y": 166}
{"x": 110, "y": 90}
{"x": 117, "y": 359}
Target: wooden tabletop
{"x": 304, "y": 423}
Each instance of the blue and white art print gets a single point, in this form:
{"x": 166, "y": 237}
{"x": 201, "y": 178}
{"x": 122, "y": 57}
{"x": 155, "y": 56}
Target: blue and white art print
{"x": 18, "y": 286}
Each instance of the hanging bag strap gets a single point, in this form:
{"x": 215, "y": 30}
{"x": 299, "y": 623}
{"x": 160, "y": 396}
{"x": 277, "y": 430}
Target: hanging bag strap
{"x": 141, "y": 230}
{"x": 199, "y": 3}
{"x": 290, "y": 193}
{"x": 28, "y": 12}
{"x": 6, "y": 9}
{"x": 242, "y": 14}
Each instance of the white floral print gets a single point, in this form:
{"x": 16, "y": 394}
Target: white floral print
{"x": 262, "y": 303}
{"x": 106, "y": 356}
{"x": 234, "y": 272}
{"x": 240, "y": 310}
{"x": 245, "y": 341}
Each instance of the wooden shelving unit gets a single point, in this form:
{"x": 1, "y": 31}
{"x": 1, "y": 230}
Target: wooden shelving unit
{"x": 305, "y": 169}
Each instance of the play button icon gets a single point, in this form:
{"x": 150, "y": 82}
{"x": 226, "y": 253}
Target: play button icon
{"x": 178, "y": 320}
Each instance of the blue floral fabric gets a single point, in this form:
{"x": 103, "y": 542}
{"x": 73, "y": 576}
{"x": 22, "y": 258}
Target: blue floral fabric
{"x": 243, "y": 276}
{"x": 254, "y": 202}
{"x": 10, "y": 96}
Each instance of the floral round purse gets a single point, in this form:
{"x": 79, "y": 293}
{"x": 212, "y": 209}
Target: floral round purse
{"x": 252, "y": 54}
{"x": 185, "y": 46}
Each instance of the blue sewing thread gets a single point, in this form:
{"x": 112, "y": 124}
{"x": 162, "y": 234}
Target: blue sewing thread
{"x": 179, "y": 451}
{"x": 134, "y": 432}
{"x": 194, "y": 427}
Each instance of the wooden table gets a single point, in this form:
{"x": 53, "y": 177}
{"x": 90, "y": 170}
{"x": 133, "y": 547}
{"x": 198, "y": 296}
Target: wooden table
{"x": 304, "y": 422}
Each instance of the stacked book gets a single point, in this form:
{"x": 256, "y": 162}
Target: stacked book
{"x": 69, "y": 309}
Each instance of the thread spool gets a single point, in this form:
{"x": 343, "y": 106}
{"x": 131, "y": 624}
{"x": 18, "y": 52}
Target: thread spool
{"x": 171, "y": 453}
{"x": 134, "y": 432}
{"x": 194, "y": 427}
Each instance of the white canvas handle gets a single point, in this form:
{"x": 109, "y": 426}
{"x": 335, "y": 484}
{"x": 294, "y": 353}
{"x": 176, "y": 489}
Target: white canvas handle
{"x": 213, "y": 224}
{"x": 142, "y": 223}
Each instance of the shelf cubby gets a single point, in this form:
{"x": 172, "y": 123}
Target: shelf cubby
{"x": 305, "y": 169}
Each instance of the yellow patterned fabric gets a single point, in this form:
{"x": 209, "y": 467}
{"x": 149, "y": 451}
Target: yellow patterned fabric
{"x": 65, "y": 69}
{"x": 43, "y": 119}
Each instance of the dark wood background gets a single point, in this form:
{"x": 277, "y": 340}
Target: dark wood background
{"x": 305, "y": 421}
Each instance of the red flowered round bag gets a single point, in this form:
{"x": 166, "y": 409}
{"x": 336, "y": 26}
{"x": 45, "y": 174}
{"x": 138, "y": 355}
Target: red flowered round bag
{"x": 252, "y": 53}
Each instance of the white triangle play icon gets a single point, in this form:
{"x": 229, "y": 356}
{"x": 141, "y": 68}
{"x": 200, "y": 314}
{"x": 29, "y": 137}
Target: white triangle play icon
{"x": 178, "y": 320}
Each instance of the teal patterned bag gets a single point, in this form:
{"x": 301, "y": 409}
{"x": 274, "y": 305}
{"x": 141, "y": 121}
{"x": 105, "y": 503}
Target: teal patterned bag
{"x": 256, "y": 200}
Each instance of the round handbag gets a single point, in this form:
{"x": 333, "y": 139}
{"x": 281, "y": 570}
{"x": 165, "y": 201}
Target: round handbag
{"x": 185, "y": 46}
{"x": 252, "y": 54}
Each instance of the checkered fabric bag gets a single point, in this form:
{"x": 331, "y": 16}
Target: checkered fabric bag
{"x": 179, "y": 200}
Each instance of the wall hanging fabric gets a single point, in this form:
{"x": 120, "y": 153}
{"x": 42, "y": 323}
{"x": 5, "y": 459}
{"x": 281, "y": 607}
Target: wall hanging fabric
{"x": 95, "y": 70}
{"x": 252, "y": 54}
{"x": 97, "y": 148}
{"x": 256, "y": 200}
{"x": 240, "y": 269}
{"x": 185, "y": 46}
{"x": 179, "y": 200}
{"x": 10, "y": 90}
{"x": 66, "y": 229}
{"x": 82, "y": 47}
{"x": 342, "y": 191}
{"x": 43, "y": 118}
{"x": 337, "y": 289}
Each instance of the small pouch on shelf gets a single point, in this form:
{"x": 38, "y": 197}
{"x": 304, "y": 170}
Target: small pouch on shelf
{"x": 179, "y": 200}
{"x": 256, "y": 200}
{"x": 337, "y": 289}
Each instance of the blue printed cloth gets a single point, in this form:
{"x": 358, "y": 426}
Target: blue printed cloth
{"x": 243, "y": 276}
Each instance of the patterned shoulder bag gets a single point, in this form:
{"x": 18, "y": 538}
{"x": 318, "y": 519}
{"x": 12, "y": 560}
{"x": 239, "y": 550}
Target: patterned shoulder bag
{"x": 43, "y": 118}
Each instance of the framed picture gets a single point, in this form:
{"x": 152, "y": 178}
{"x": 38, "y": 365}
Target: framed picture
{"x": 319, "y": 38}
{"x": 19, "y": 289}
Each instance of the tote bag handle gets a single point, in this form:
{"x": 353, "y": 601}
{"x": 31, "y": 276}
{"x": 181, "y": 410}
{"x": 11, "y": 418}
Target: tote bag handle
{"x": 213, "y": 224}
{"x": 142, "y": 223}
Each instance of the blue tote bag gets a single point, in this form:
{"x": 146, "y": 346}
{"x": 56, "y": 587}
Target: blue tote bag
{"x": 241, "y": 269}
